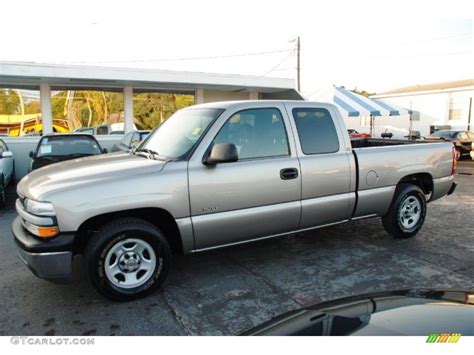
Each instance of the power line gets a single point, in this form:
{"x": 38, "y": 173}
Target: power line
{"x": 184, "y": 58}
{"x": 446, "y": 54}
{"x": 280, "y": 63}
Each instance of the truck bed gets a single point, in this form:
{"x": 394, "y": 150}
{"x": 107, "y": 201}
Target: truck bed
{"x": 382, "y": 163}
{"x": 379, "y": 142}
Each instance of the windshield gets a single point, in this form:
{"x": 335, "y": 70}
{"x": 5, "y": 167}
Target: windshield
{"x": 444, "y": 134}
{"x": 179, "y": 134}
{"x": 69, "y": 145}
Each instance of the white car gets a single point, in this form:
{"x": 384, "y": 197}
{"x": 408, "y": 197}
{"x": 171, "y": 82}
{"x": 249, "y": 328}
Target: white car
{"x": 472, "y": 151}
{"x": 7, "y": 170}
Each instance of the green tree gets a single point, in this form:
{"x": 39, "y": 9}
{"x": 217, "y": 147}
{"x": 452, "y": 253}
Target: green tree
{"x": 84, "y": 108}
{"x": 152, "y": 109}
{"x": 9, "y": 102}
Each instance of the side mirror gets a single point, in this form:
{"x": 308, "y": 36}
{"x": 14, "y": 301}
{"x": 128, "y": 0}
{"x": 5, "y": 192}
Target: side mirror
{"x": 32, "y": 155}
{"x": 222, "y": 153}
{"x": 6, "y": 154}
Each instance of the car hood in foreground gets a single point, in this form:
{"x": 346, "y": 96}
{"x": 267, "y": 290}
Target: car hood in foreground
{"x": 421, "y": 312}
{"x": 70, "y": 173}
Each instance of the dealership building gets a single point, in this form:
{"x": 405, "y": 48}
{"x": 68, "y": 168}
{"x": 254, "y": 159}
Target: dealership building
{"x": 446, "y": 105}
{"x": 206, "y": 87}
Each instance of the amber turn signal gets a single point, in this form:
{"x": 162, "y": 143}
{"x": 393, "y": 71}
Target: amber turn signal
{"x": 41, "y": 231}
{"x": 47, "y": 232}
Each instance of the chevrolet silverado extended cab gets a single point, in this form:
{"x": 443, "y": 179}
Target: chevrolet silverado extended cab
{"x": 215, "y": 175}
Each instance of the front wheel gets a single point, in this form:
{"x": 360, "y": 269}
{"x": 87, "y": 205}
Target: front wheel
{"x": 407, "y": 213}
{"x": 3, "y": 197}
{"x": 127, "y": 259}
{"x": 13, "y": 177}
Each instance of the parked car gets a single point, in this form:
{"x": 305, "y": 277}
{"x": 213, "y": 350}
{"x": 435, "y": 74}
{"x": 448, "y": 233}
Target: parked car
{"x": 216, "y": 175}
{"x": 86, "y": 130}
{"x": 131, "y": 140}
{"x": 105, "y": 129}
{"x": 406, "y": 312}
{"x": 462, "y": 140}
{"x": 472, "y": 151}
{"x": 56, "y": 148}
{"x": 354, "y": 134}
{"x": 7, "y": 170}
{"x": 414, "y": 135}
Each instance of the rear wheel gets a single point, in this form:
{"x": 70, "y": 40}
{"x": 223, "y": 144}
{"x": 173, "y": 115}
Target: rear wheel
{"x": 407, "y": 213}
{"x": 127, "y": 259}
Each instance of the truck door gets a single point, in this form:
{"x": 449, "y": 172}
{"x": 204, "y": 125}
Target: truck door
{"x": 257, "y": 196}
{"x": 327, "y": 164}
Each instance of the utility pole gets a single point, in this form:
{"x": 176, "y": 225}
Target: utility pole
{"x": 469, "y": 114}
{"x": 298, "y": 64}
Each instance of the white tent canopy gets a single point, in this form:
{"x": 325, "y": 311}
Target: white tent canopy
{"x": 353, "y": 105}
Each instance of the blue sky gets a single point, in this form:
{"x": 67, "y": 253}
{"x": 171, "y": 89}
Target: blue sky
{"x": 371, "y": 45}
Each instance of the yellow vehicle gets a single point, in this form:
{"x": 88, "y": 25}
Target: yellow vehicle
{"x": 20, "y": 125}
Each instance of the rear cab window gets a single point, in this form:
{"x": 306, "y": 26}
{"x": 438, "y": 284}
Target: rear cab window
{"x": 316, "y": 130}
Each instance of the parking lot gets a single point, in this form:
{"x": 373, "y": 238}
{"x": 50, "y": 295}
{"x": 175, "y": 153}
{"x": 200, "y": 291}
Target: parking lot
{"x": 226, "y": 291}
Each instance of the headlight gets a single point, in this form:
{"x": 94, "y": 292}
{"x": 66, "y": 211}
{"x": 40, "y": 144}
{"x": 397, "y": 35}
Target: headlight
{"x": 39, "y": 208}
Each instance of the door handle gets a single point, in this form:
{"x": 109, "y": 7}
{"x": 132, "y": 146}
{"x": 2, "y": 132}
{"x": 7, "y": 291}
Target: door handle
{"x": 288, "y": 173}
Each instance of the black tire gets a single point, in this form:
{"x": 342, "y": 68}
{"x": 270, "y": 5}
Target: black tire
{"x": 108, "y": 237}
{"x": 3, "y": 196}
{"x": 394, "y": 221}
{"x": 13, "y": 178}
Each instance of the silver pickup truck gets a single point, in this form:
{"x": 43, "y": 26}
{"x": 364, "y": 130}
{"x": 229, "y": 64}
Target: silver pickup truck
{"x": 215, "y": 175}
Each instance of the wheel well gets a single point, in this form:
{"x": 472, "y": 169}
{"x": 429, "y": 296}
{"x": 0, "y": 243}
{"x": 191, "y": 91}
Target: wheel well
{"x": 423, "y": 180}
{"x": 157, "y": 216}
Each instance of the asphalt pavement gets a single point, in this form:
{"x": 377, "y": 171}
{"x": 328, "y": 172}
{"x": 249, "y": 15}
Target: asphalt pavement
{"x": 227, "y": 291}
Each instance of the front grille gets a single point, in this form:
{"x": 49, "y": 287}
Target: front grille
{"x": 22, "y": 202}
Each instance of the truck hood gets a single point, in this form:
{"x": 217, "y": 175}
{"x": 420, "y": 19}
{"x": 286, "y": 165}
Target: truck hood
{"x": 71, "y": 173}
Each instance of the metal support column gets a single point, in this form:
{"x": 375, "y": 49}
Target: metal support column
{"x": 128, "y": 108}
{"x": 45, "y": 102}
{"x": 199, "y": 96}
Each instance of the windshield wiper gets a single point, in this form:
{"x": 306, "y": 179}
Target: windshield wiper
{"x": 148, "y": 152}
